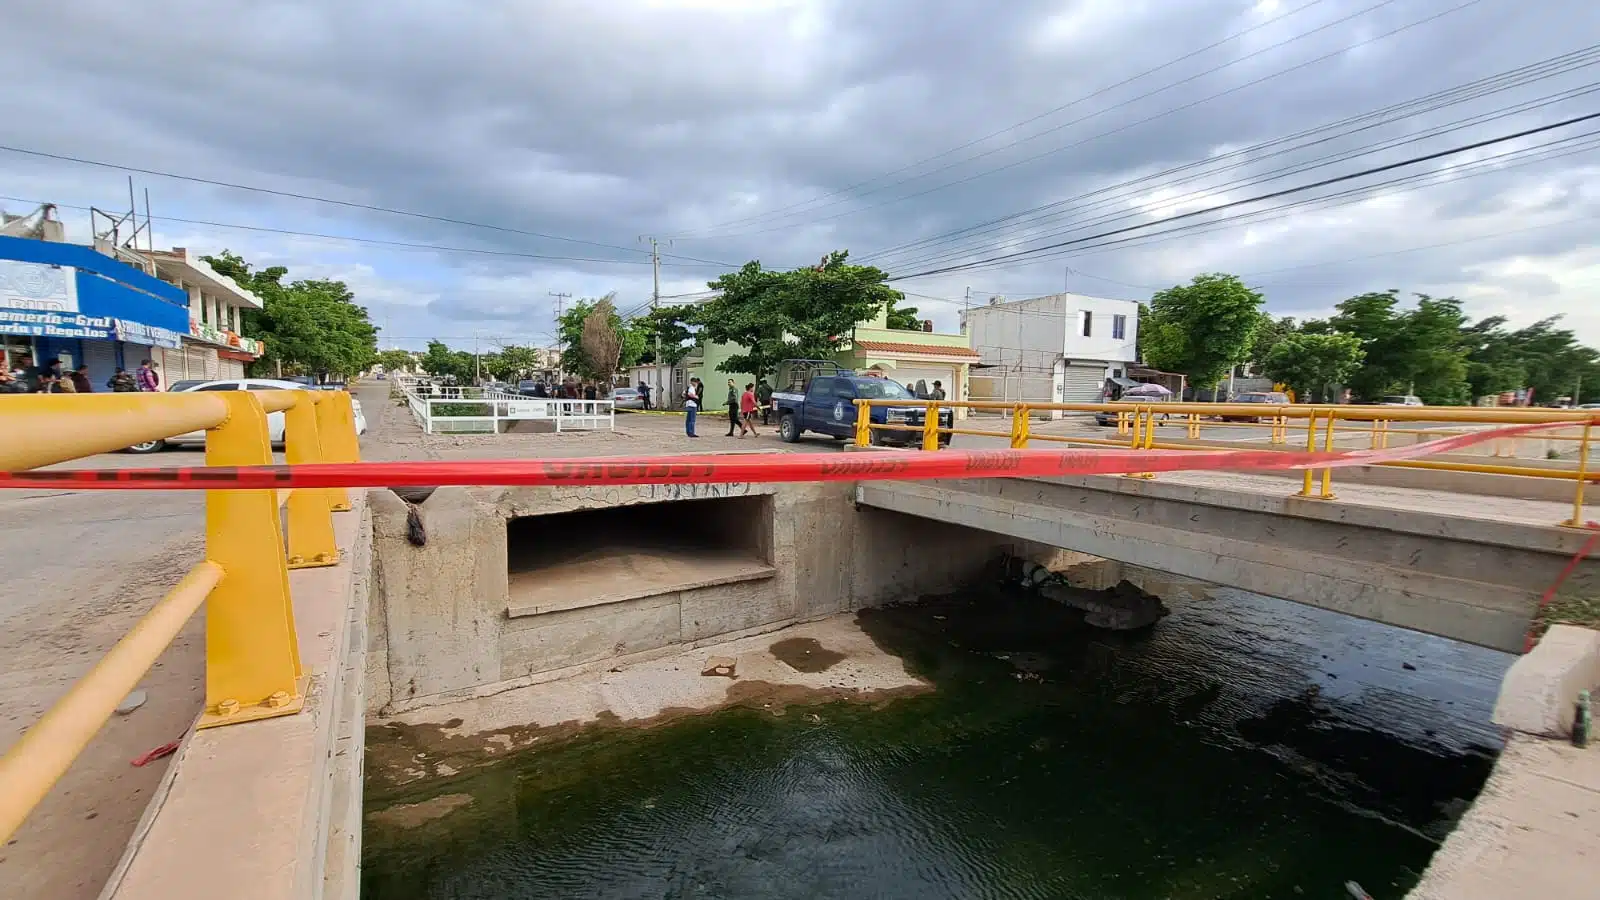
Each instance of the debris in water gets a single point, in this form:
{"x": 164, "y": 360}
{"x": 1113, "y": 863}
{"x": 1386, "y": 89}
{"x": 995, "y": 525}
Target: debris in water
{"x": 1126, "y": 607}
{"x": 720, "y": 665}
{"x": 1408, "y": 667}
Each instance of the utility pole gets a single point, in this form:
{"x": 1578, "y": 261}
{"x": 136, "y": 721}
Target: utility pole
{"x": 655, "y": 304}
{"x": 477, "y": 360}
{"x": 561, "y": 349}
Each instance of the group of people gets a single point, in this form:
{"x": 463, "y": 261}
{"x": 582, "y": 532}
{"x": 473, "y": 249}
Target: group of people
{"x": 743, "y": 407}
{"x": 567, "y": 390}
{"x": 54, "y": 377}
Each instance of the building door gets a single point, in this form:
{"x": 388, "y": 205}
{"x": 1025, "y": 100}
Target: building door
{"x": 1081, "y": 382}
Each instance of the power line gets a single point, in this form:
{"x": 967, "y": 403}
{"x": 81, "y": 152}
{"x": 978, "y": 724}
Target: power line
{"x": 403, "y": 245}
{"x": 1274, "y": 194}
{"x": 59, "y": 157}
{"x": 1113, "y": 193}
{"x": 1028, "y": 121}
{"x": 1025, "y": 160}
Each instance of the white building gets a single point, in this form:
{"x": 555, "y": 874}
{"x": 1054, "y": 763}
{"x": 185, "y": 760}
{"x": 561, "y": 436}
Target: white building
{"x": 215, "y": 346}
{"x": 1059, "y": 348}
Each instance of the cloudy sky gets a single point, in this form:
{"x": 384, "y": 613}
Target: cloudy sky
{"x": 918, "y": 134}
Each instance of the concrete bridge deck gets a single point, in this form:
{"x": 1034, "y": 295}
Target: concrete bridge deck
{"x": 1464, "y": 566}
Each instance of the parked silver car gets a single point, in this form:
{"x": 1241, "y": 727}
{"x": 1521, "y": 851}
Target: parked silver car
{"x": 627, "y": 398}
{"x": 275, "y": 424}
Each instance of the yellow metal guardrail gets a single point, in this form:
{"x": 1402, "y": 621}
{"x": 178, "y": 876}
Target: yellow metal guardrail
{"x": 1137, "y": 424}
{"x": 253, "y": 666}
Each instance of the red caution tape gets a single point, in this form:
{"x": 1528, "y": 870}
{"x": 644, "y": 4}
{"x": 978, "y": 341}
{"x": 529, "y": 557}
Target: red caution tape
{"x": 722, "y": 469}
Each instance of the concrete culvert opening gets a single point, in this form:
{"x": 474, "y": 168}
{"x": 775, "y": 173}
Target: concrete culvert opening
{"x": 594, "y": 556}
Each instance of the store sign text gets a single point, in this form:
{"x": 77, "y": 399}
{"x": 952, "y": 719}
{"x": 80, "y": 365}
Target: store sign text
{"x": 51, "y": 324}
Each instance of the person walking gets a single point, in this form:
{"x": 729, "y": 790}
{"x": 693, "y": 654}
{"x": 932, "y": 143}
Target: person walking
{"x": 747, "y": 410}
{"x": 691, "y": 406}
{"x": 764, "y": 399}
{"x": 733, "y": 409}
{"x": 147, "y": 377}
{"x": 80, "y": 380}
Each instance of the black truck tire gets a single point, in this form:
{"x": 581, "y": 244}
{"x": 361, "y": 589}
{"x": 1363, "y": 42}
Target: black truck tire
{"x": 788, "y": 428}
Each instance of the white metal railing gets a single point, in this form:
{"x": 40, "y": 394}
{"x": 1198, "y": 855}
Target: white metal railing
{"x": 489, "y": 408}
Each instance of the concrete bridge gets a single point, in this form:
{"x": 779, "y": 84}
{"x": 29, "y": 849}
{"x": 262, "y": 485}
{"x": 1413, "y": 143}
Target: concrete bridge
{"x": 1468, "y": 566}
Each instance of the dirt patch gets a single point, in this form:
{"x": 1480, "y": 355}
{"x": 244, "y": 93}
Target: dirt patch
{"x": 805, "y": 654}
{"x": 412, "y": 815}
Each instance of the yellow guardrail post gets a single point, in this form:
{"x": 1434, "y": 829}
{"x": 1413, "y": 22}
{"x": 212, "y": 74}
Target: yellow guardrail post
{"x": 1311, "y": 447}
{"x": 1144, "y": 439}
{"x": 252, "y": 653}
{"x": 930, "y": 426}
{"x": 1021, "y": 424}
{"x": 311, "y": 541}
{"x": 1194, "y": 426}
{"x": 863, "y": 423}
{"x": 1122, "y": 422}
{"x": 1583, "y": 475}
{"x": 334, "y": 420}
{"x": 1328, "y": 446}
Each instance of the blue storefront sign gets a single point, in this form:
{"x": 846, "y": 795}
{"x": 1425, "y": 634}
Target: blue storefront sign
{"x": 83, "y": 307}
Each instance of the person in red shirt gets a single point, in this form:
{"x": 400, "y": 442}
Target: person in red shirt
{"x": 747, "y": 410}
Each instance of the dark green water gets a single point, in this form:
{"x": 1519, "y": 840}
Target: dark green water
{"x": 1248, "y": 748}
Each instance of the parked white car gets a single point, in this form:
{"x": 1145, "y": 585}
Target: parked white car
{"x": 1400, "y": 400}
{"x": 274, "y": 420}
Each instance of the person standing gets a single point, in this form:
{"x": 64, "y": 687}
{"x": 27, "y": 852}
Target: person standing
{"x": 122, "y": 382}
{"x": 80, "y": 380}
{"x": 733, "y": 409}
{"x": 147, "y": 377}
{"x": 691, "y": 406}
{"x": 644, "y": 394}
{"x": 937, "y": 393}
{"x": 747, "y": 410}
{"x": 764, "y": 399}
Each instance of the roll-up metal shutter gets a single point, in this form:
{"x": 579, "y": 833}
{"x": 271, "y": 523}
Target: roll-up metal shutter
{"x": 101, "y": 358}
{"x": 1082, "y": 382}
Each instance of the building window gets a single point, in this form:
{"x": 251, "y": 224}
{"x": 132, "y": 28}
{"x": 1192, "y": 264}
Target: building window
{"x": 1119, "y": 327}
{"x": 1088, "y": 323}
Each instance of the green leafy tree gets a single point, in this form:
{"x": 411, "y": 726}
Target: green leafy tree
{"x": 1271, "y": 332}
{"x": 674, "y": 326}
{"x": 1313, "y": 364}
{"x": 513, "y": 362}
{"x": 1420, "y": 350}
{"x": 1202, "y": 329}
{"x": 807, "y": 313}
{"x": 440, "y": 361}
{"x": 395, "y": 360}
{"x": 904, "y": 318}
{"x": 1549, "y": 358}
{"x": 311, "y": 327}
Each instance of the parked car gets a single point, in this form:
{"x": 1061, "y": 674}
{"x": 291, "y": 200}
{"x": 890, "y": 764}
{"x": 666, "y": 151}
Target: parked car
{"x": 627, "y": 398}
{"x": 826, "y": 404}
{"x": 275, "y": 425}
{"x": 526, "y": 386}
{"x": 1400, "y": 400}
{"x": 1273, "y": 398}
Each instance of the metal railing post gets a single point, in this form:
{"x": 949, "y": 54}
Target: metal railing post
{"x": 252, "y": 653}
{"x": 328, "y": 423}
{"x": 863, "y": 423}
{"x": 1328, "y": 446}
{"x": 1194, "y": 426}
{"x": 311, "y": 541}
{"x": 1583, "y": 475}
{"x": 930, "y": 426}
{"x": 1021, "y": 425}
{"x": 1311, "y": 447}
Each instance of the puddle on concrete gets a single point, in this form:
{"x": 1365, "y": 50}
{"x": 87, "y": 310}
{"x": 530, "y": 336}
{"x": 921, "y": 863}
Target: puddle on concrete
{"x": 1245, "y": 748}
{"x": 805, "y": 655}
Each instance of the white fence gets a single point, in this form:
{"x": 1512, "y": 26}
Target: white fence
{"x": 469, "y": 410}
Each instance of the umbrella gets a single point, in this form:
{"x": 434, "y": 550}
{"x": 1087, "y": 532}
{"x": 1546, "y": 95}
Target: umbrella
{"x": 1147, "y": 390}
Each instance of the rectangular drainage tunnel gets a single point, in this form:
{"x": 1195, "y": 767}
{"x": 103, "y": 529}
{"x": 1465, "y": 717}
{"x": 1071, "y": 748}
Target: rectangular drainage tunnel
{"x": 572, "y": 560}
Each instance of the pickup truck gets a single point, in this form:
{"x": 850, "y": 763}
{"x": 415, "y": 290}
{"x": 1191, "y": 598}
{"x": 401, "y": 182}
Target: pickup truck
{"x": 823, "y": 401}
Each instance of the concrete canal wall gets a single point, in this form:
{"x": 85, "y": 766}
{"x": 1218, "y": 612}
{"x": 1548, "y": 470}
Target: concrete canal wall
{"x": 516, "y": 586}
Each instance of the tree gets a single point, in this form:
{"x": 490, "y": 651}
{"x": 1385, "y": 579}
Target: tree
{"x": 602, "y": 340}
{"x": 395, "y": 360}
{"x": 1542, "y": 356}
{"x": 440, "y": 361}
{"x": 513, "y": 362}
{"x": 904, "y": 318}
{"x": 309, "y": 327}
{"x": 1202, "y": 329}
{"x": 571, "y": 327}
{"x": 1271, "y": 332}
{"x": 1419, "y": 350}
{"x": 673, "y": 325}
{"x": 807, "y": 313}
{"x": 1312, "y": 364}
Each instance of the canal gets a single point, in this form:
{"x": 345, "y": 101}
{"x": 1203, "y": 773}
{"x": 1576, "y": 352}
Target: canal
{"x": 1245, "y": 748}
